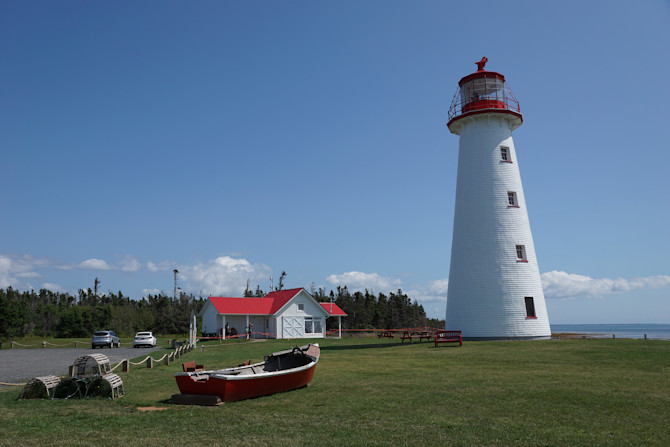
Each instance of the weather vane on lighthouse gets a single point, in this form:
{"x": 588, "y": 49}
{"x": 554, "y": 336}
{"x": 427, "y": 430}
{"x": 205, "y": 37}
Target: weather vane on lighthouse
{"x": 481, "y": 63}
{"x": 495, "y": 291}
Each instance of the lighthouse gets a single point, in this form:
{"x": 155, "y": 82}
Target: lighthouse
{"x": 495, "y": 291}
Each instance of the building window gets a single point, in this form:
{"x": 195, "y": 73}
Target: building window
{"x": 521, "y": 253}
{"x": 505, "y": 154}
{"x": 530, "y": 307}
{"x": 511, "y": 199}
{"x": 313, "y": 326}
{"x": 301, "y": 306}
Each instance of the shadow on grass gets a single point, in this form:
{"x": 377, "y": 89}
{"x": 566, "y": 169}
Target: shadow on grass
{"x": 368, "y": 346}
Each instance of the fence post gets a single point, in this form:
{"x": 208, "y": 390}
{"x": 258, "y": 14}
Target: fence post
{"x": 150, "y": 362}
{"x": 125, "y": 365}
{"x": 166, "y": 360}
{"x": 44, "y": 344}
{"x": 202, "y": 348}
{"x": 76, "y": 343}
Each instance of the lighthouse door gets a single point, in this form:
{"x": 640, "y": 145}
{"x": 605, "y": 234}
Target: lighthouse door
{"x": 293, "y": 327}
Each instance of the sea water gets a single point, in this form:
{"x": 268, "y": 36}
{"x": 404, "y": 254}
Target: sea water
{"x": 652, "y": 331}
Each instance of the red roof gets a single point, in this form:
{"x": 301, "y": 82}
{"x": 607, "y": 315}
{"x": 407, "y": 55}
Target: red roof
{"x": 267, "y": 305}
{"x": 333, "y": 309}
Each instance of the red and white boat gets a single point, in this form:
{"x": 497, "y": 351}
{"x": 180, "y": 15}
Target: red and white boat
{"x": 280, "y": 371}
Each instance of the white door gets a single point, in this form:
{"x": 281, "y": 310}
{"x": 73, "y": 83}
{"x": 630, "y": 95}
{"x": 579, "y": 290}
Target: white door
{"x": 293, "y": 327}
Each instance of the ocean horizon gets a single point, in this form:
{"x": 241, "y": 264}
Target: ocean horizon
{"x": 652, "y": 331}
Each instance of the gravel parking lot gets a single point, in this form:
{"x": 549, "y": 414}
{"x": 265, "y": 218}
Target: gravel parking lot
{"x": 20, "y": 365}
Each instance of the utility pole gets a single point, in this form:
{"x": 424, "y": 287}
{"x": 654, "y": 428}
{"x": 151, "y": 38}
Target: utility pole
{"x": 176, "y": 272}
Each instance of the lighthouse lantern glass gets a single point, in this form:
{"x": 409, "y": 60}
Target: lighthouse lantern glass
{"x": 482, "y": 88}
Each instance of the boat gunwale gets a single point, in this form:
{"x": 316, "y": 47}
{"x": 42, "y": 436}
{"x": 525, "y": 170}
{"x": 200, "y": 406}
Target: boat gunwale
{"x": 225, "y": 374}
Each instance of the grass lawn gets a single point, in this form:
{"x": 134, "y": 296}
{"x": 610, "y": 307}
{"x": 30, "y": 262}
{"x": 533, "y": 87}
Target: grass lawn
{"x": 368, "y": 392}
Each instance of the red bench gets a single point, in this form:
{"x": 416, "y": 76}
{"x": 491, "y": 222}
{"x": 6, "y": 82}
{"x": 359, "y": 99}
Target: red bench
{"x": 448, "y": 337}
{"x": 191, "y": 367}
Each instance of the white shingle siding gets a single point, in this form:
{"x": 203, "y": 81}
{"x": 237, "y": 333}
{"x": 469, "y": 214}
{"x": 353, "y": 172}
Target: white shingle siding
{"x": 487, "y": 284}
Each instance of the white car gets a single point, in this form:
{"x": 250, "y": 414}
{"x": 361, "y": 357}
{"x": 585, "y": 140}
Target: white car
{"x": 144, "y": 339}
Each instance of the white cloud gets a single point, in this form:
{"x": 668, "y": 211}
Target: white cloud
{"x": 6, "y": 278}
{"x": 569, "y": 285}
{"x": 129, "y": 264}
{"x": 94, "y": 264}
{"x": 14, "y": 269}
{"x": 146, "y": 292}
{"x": 160, "y": 267}
{"x": 224, "y": 276}
{"x": 362, "y": 281}
{"x": 53, "y": 287}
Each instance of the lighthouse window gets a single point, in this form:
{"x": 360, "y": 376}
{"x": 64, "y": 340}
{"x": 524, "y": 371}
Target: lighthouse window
{"x": 530, "y": 307}
{"x": 521, "y": 253}
{"x": 504, "y": 154}
{"x": 511, "y": 199}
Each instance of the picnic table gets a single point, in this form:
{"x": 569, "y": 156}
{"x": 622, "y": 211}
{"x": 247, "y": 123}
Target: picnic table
{"x": 385, "y": 334}
{"x": 407, "y": 335}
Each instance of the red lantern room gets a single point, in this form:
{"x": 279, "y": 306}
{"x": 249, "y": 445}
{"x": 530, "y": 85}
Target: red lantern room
{"x": 482, "y": 92}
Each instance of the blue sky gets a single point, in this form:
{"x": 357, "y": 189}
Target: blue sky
{"x": 234, "y": 140}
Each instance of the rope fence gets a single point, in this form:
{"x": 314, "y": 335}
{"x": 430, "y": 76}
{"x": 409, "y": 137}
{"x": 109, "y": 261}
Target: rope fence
{"x": 45, "y": 344}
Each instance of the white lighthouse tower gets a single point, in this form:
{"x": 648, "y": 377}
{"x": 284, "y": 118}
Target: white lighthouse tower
{"x": 495, "y": 290}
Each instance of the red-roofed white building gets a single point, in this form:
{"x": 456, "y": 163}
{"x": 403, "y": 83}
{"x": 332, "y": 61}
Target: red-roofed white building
{"x": 291, "y": 313}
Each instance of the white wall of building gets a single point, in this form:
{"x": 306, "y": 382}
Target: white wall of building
{"x": 487, "y": 285}
{"x": 294, "y": 320}
{"x": 209, "y": 319}
{"x": 295, "y": 317}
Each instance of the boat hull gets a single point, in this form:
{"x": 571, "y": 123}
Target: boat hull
{"x": 250, "y": 381}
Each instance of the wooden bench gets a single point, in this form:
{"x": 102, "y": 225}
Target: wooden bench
{"x": 385, "y": 334}
{"x": 448, "y": 337}
{"x": 192, "y": 367}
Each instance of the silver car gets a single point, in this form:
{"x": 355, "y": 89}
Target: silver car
{"x": 144, "y": 339}
{"x": 105, "y": 338}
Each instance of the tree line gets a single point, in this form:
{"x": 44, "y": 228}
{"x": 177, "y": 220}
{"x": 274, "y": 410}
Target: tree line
{"x": 368, "y": 311}
{"x": 54, "y": 314}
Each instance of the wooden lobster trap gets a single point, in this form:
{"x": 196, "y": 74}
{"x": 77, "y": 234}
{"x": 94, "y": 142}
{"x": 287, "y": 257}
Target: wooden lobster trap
{"x": 90, "y": 365}
{"x": 40, "y": 387}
